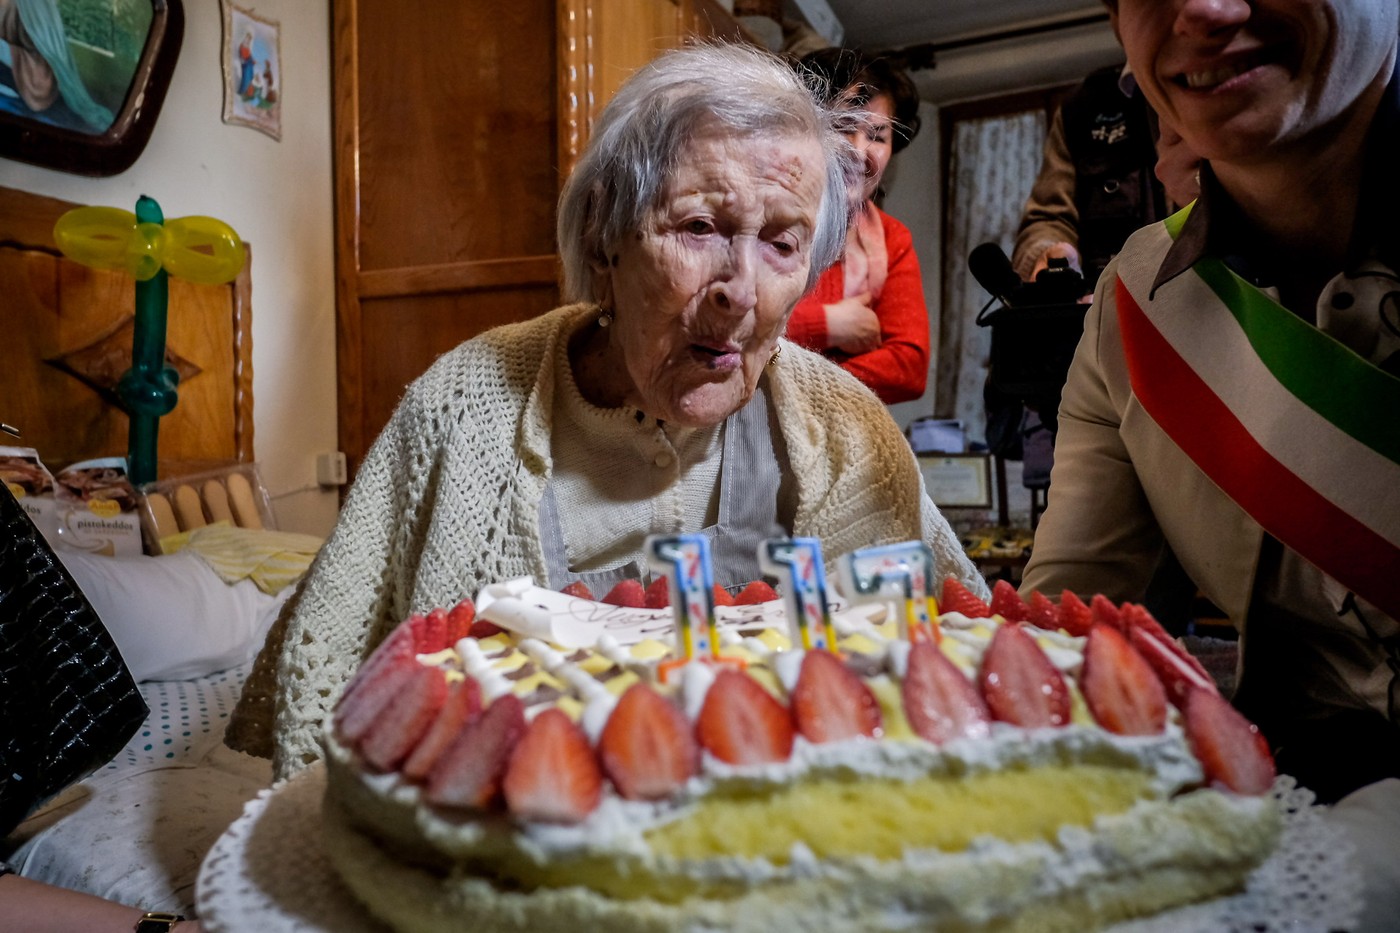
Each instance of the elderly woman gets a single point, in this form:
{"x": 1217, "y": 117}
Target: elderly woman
{"x": 867, "y": 312}
{"x": 712, "y": 194}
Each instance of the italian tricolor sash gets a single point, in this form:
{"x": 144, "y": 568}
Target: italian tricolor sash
{"x": 1296, "y": 428}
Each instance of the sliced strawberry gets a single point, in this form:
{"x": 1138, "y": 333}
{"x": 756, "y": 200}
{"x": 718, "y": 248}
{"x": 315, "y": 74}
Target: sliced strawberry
{"x": 396, "y": 647}
{"x": 658, "y": 593}
{"x": 1232, "y": 750}
{"x": 483, "y": 629}
{"x": 1007, "y": 603}
{"x": 1178, "y": 671}
{"x": 627, "y": 593}
{"x": 1075, "y": 617}
{"x": 742, "y": 723}
{"x": 957, "y": 598}
{"x": 1119, "y": 686}
{"x": 830, "y": 703}
{"x": 759, "y": 591}
{"x": 459, "y": 621}
{"x": 432, "y": 633}
{"x": 1103, "y": 612}
{"x": 468, "y": 774}
{"x": 1020, "y": 684}
{"x": 647, "y": 747}
{"x": 579, "y": 590}
{"x": 722, "y": 596}
{"x": 1135, "y": 616}
{"x": 553, "y": 775}
{"x": 399, "y": 726}
{"x": 1043, "y": 613}
{"x": 372, "y": 690}
{"x": 939, "y": 701}
{"x": 463, "y": 702}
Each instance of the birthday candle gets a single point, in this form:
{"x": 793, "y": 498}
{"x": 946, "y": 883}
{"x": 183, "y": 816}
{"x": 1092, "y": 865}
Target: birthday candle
{"x": 797, "y": 563}
{"x": 902, "y": 571}
{"x": 685, "y": 559}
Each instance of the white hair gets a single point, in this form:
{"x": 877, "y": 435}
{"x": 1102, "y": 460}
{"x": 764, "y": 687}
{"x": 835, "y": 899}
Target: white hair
{"x": 640, "y": 136}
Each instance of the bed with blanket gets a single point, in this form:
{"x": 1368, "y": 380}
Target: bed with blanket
{"x": 187, "y": 624}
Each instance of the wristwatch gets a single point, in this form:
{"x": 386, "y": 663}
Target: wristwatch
{"x": 153, "y": 921}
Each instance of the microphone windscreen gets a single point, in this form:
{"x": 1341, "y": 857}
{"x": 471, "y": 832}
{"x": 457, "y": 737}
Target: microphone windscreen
{"x": 992, "y": 270}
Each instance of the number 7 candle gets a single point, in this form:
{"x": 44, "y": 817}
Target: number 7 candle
{"x": 901, "y": 571}
{"x": 797, "y": 564}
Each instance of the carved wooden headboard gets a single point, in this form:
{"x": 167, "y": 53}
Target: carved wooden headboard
{"x": 66, "y": 340}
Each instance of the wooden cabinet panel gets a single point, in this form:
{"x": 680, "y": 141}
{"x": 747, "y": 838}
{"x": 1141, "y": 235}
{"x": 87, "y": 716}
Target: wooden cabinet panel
{"x": 404, "y": 335}
{"x": 631, "y": 33}
{"x": 456, "y": 154}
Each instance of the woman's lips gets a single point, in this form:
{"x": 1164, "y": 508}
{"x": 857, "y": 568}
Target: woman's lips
{"x": 718, "y": 357}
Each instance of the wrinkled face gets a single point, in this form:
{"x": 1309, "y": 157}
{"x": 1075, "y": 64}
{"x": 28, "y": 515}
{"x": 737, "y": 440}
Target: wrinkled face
{"x": 703, "y": 291}
{"x": 874, "y": 142}
{"x": 1236, "y": 76}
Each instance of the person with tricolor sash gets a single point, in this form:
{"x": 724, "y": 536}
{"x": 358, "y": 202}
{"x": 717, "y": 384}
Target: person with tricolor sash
{"x": 1236, "y": 393}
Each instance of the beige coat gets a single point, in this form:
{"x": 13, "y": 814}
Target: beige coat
{"x": 1121, "y": 487}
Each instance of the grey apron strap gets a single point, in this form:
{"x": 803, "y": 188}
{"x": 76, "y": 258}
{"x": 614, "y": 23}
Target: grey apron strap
{"x": 749, "y": 481}
{"x": 556, "y": 558}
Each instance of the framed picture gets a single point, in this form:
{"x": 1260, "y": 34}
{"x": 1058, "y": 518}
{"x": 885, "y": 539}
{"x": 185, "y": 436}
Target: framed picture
{"x": 82, "y": 81}
{"x": 962, "y": 481}
{"x": 252, "y": 59}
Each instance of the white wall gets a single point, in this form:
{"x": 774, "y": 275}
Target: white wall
{"x": 278, "y": 196}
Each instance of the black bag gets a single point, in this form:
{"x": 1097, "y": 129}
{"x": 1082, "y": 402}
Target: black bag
{"x": 67, "y": 701}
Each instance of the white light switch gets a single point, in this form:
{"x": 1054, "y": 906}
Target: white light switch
{"x": 330, "y": 469}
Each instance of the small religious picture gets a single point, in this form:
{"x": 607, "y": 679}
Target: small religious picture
{"x": 252, "y": 56}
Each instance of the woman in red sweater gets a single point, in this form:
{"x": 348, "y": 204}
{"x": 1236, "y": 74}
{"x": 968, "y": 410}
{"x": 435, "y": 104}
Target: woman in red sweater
{"x": 867, "y": 312}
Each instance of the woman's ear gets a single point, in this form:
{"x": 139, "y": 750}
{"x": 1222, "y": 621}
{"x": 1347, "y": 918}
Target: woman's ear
{"x": 602, "y": 282}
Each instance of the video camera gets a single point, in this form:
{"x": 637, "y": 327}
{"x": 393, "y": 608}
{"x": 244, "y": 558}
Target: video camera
{"x": 1034, "y": 332}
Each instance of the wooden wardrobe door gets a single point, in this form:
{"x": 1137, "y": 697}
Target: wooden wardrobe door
{"x": 447, "y": 172}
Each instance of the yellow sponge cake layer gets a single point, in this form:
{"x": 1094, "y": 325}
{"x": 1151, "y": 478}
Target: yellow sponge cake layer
{"x": 1156, "y": 855}
{"x": 883, "y": 818}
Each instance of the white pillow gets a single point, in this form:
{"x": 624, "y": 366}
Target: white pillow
{"x": 171, "y": 616}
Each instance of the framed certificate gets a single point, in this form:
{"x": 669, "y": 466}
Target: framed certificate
{"x": 962, "y": 481}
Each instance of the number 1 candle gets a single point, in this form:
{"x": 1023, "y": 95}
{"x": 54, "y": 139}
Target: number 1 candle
{"x": 902, "y": 571}
{"x": 685, "y": 559}
{"x": 797, "y": 563}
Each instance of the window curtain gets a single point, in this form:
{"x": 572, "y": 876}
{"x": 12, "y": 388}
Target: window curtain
{"x": 991, "y": 167}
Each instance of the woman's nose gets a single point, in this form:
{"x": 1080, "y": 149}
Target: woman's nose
{"x": 735, "y": 288}
{"x": 1204, "y": 18}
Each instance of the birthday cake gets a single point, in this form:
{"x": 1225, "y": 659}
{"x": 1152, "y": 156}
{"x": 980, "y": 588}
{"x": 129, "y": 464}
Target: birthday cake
{"x": 1009, "y": 767}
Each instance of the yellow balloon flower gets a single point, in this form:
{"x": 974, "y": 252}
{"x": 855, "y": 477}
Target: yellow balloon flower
{"x": 199, "y": 249}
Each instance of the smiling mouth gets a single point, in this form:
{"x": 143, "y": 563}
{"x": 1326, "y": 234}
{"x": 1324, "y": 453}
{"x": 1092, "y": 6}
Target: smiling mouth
{"x": 1216, "y": 75}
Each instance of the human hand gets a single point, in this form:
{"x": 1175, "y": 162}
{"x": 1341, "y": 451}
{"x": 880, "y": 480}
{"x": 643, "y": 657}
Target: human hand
{"x": 1060, "y": 250}
{"x": 852, "y": 326}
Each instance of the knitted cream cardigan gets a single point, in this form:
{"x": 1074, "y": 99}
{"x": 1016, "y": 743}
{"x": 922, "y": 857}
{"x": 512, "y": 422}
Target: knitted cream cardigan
{"x": 447, "y": 502}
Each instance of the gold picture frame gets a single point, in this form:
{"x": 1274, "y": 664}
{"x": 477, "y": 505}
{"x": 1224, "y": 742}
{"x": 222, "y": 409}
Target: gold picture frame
{"x": 958, "y": 481}
{"x": 252, "y": 64}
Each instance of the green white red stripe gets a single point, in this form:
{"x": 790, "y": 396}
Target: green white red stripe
{"x": 1298, "y": 430}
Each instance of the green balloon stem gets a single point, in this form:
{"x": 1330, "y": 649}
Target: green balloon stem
{"x": 148, "y": 388}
